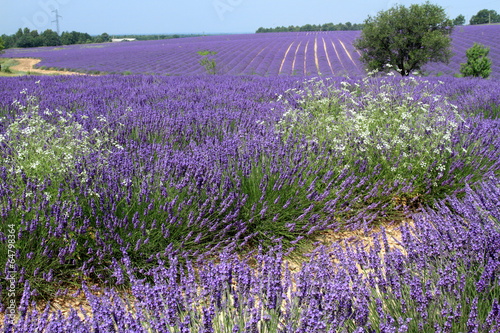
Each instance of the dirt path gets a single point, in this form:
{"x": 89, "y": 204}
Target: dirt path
{"x": 27, "y": 65}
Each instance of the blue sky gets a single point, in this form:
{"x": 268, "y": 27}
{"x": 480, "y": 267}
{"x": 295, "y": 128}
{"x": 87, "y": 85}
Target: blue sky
{"x": 201, "y": 16}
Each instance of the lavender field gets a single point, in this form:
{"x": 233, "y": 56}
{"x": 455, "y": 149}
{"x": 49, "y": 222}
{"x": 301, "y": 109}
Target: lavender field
{"x": 304, "y": 54}
{"x": 195, "y": 192}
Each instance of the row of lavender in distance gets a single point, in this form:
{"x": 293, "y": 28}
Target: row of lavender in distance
{"x": 307, "y": 53}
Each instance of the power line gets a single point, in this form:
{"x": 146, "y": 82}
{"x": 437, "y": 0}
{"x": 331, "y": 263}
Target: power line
{"x": 57, "y": 20}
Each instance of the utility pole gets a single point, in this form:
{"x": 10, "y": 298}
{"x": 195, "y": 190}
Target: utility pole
{"x": 57, "y": 20}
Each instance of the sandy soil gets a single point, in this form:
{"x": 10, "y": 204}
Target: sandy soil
{"x": 27, "y": 65}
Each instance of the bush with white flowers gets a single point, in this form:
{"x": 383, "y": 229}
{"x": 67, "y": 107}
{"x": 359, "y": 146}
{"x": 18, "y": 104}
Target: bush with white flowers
{"x": 373, "y": 119}
{"x": 39, "y": 147}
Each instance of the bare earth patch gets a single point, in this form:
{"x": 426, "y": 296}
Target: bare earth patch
{"x": 27, "y": 65}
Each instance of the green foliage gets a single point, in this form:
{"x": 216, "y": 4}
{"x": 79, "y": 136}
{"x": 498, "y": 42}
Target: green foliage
{"x": 50, "y": 38}
{"x": 459, "y": 20}
{"x": 70, "y": 38}
{"x": 314, "y": 27}
{"x": 485, "y": 16}
{"x": 6, "y": 64}
{"x": 24, "y": 38}
{"x": 8, "y": 41}
{"x": 103, "y": 38}
{"x": 478, "y": 64}
{"x": 406, "y": 38}
{"x": 207, "y": 61}
{"x": 2, "y": 45}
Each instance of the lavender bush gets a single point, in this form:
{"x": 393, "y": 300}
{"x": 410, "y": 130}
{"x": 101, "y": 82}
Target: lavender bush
{"x": 167, "y": 173}
{"x": 443, "y": 278}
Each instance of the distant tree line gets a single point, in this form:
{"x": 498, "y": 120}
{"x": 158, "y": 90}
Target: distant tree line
{"x": 314, "y": 27}
{"x": 155, "y": 37}
{"x": 25, "y": 38}
{"x": 484, "y": 16}
{"x": 31, "y": 38}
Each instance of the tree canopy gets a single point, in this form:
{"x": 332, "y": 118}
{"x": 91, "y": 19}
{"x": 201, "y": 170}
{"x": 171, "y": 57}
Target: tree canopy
{"x": 25, "y": 38}
{"x": 406, "y": 38}
{"x": 2, "y": 45}
{"x": 459, "y": 20}
{"x": 485, "y": 16}
{"x": 314, "y": 27}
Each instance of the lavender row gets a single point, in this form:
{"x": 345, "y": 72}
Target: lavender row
{"x": 247, "y": 54}
{"x": 443, "y": 277}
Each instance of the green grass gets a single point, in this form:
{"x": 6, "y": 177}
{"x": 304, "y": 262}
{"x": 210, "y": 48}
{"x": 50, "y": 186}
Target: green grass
{"x": 7, "y": 72}
{"x": 6, "y": 64}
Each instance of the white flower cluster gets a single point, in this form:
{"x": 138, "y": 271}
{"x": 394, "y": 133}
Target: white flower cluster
{"x": 41, "y": 147}
{"x": 378, "y": 114}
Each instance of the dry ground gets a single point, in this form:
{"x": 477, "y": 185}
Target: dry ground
{"x": 27, "y": 65}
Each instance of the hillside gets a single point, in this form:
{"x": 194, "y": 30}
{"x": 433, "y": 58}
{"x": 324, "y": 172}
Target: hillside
{"x": 301, "y": 53}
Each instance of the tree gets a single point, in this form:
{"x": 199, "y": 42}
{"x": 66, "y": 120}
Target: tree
{"x": 9, "y": 41}
{"x": 406, "y": 38}
{"x": 477, "y": 65}
{"x": 105, "y": 37}
{"x": 485, "y": 16}
{"x": 307, "y": 27}
{"x": 459, "y": 20}
{"x": 50, "y": 38}
{"x": 66, "y": 38}
{"x": 19, "y": 33}
{"x": 2, "y": 45}
{"x": 25, "y": 41}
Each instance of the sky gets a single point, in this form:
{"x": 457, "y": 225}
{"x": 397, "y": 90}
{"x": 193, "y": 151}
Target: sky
{"x": 201, "y": 16}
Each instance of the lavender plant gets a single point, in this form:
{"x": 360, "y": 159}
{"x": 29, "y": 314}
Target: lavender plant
{"x": 204, "y": 174}
{"x": 439, "y": 279}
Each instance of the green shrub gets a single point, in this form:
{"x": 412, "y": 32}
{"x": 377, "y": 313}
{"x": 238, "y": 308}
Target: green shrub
{"x": 207, "y": 62}
{"x": 478, "y": 64}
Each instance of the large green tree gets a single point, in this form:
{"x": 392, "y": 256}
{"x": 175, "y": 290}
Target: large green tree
{"x": 406, "y": 38}
{"x": 2, "y": 45}
{"x": 485, "y": 16}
